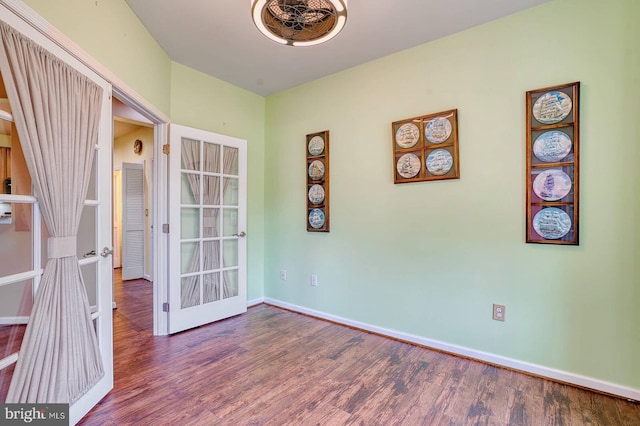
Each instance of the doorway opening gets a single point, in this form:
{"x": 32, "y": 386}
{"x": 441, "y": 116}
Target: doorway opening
{"x": 133, "y": 156}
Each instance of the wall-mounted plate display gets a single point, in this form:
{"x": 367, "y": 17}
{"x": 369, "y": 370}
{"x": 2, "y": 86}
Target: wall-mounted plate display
{"x": 317, "y": 147}
{"x": 439, "y": 162}
{"x": 408, "y": 165}
{"x": 428, "y": 149}
{"x": 553, "y": 164}
{"x": 552, "y": 146}
{"x": 316, "y": 170}
{"x": 552, "y": 223}
{"x": 552, "y": 107}
{"x": 316, "y": 218}
{"x": 552, "y": 185}
{"x": 438, "y": 130}
{"x": 316, "y": 194}
{"x": 407, "y": 135}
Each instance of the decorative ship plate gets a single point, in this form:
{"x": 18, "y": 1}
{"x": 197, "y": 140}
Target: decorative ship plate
{"x": 316, "y": 194}
{"x": 438, "y": 130}
{"x": 316, "y": 170}
{"x": 552, "y": 107}
{"x": 552, "y": 146}
{"x": 316, "y": 145}
{"x": 316, "y": 218}
{"x": 552, "y": 223}
{"x": 439, "y": 162}
{"x": 408, "y": 166}
{"x": 552, "y": 185}
{"x": 407, "y": 135}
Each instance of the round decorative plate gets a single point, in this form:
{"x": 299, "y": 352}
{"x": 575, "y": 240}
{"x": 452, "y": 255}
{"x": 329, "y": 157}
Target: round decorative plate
{"x": 316, "y": 194}
{"x": 552, "y": 185}
{"x": 316, "y": 218}
{"x": 407, "y": 135}
{"x": 408, "y": 166}
{"x": 438, "y": 130}
{"x": 552, "y": 223}
{"x": 316, "y": 170}
{"x": 552, "y": 146}
{"x": 316, "y": 145}
{"x": 552, "y": 107}
{"x": 439, "y": 162}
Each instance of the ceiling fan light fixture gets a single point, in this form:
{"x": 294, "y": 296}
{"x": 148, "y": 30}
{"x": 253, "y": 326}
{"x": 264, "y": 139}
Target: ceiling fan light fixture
{"x": 299, "y": 22}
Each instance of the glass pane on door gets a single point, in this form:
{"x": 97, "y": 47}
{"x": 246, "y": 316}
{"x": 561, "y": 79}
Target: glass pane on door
{"x": 190, "y": 295}
{"x": 211, "y": 158}
{"x": 190, "y": 154}
{"x": 16, "y": 254}
{"x": 230, "y": 284}
{"x": 211, "y": 287}
{"x": 230, "y": 196}
{"x": 86, "y": 243}
{"x": 230, "y": 161}
{"x": 189, "y": 223}
{"x": 89, "y": 276}
{"x": 230, "y": 222}
{"x": 16, "y": 300}
{"x": 190, "y": 257}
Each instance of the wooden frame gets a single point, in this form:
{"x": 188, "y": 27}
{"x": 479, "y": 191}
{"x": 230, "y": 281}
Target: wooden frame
{"x": 426, "y": 148}
{"x": 317, "y": 148}
{"x": 553, "y": 160}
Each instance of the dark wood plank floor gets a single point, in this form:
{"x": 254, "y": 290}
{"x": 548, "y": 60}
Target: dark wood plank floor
{"x": 274, "y": 367}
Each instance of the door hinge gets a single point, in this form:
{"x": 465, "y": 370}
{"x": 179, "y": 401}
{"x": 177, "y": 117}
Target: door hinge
{"x": 165, "y": 228}
{"x": 166, "y": 149}
{"x": 165, "y": 307}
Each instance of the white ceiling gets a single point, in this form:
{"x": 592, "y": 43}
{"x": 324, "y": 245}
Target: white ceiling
{"x": 218, "y": 37}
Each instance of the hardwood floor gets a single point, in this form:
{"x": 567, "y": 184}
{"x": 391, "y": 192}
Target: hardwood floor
{"x": 275, "y": 367}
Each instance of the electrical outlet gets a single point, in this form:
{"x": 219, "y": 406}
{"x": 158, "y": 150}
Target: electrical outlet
{"x": 283, "y": 274}
{"x": 498, "y": 312}
{"x": 314, "y": 280}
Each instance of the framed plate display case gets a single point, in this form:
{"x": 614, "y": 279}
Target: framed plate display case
{"x": 553, "y": 159}
{"x": 426, "y": 148}
{"x": 317, "y": 146}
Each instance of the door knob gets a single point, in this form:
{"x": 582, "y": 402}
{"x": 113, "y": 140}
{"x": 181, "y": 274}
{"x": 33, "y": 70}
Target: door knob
{"x": 241, "y": 234}
{"x": 106, "y": 252}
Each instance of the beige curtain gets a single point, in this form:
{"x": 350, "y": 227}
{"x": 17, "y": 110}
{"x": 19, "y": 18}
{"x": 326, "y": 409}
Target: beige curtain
{"x": 56, "y": 111}
{"x": 190, "y": 151}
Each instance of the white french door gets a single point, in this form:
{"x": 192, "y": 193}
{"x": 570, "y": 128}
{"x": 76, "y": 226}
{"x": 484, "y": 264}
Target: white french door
{"x": 94, "y": 242}
{"x": 133, "y": 223}
{"x": 207, "y": 233}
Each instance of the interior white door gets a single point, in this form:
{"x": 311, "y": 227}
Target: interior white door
{"x": 133, "y": 221}
{"x": 207, "y": 217}
{"x": 94, "y": 234}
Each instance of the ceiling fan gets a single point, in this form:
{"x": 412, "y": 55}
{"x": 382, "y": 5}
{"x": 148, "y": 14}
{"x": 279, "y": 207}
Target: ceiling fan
{"x": 299, "y": 22}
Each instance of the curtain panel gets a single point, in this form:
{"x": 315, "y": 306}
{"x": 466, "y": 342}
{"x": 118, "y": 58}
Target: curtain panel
{"x": 210, "y": 196}
{"x": 56, "y": 110}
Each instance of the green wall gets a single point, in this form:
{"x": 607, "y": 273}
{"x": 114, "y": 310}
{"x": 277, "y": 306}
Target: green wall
{"x": 204, "y": 102}
{"x": 431, "y": 258}
{"x": 112, "y": 34}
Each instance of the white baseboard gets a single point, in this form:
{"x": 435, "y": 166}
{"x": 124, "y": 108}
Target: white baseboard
{"x": 538, "y": 370}
{"x": 13, "y": 320}
{"x": 255, "y": 302}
